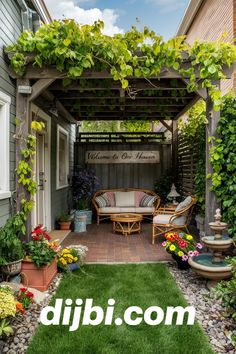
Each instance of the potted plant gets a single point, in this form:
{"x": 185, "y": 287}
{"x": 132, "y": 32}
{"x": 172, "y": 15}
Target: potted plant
{"x": 71, "y": 258}
{"x": 181, "y": 246}
{"x": 11, "y": 248}
{"x": 84, "y": 185}
{"x": 64, "y": 220}
{"x": 39, "y": 266}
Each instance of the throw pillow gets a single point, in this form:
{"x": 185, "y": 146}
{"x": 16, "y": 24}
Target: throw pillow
{"x": 111, "y": 197}
{"x": 102, "y": 201}
{"x": 147, "y": 200}
{"x": 138, "y": 196}
{"x": 187, "y": 201}
{"x": 125, "y": 199}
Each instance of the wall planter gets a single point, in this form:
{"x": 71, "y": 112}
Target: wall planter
{"x": 38, "y": 278}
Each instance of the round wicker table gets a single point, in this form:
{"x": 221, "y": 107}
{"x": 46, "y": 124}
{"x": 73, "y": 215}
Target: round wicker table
{"x": 126, "y": 223}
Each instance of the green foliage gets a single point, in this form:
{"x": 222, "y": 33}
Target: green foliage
{"x": 223, "y": 160}
{"x": 39, "y": 252}
{"x": 162, "y": 187}
{"x": 116, "y": 126}
{"x": 73, "y": 48}
{"x": 11, "y": 248}
{"x": 226, "y": 291}
{"x": 63, "y": 217}
{"x": 193, "y": 128}
{"x": 5, "y": 328}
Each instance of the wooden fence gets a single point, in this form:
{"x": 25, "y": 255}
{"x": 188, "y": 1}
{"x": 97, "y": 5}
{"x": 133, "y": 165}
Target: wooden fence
{"x": 187, "y": 159}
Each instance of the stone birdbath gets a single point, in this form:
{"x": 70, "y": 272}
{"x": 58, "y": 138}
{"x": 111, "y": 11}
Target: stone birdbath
{"x": 212, "y": 265}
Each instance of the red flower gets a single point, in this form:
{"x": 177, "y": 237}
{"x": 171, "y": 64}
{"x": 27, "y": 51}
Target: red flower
{"x": 29, "y": 294}
{"x": 36, "y": 238}
{"x": 23, "y": 290}
{"x": 182, "y": 244}
{"x": 45, "y": 235}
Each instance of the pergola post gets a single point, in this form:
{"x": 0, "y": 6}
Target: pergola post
{"x": 210, "y": 197}
{"x": 175, "y": 149}
{"x": 22, "y": 131}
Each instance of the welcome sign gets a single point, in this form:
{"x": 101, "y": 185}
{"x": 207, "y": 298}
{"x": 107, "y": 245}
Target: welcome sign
{"x": 109, "y": 157}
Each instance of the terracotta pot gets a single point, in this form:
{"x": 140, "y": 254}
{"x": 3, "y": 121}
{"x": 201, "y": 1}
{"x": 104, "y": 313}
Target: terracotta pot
{"x": 38, "y": 278}
{"x": 64, "y": 225}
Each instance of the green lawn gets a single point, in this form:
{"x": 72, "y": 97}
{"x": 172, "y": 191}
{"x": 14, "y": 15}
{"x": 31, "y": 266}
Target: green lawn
{"x": 142, "y": 285}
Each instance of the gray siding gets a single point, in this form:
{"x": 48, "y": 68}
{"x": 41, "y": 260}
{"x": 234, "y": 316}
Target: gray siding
{"x": 127, "y": 175}
{"x": 61, "y": 198}
{"x": 10, "y": 29}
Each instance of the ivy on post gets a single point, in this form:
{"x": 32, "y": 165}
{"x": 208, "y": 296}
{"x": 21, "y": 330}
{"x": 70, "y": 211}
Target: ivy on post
{"x": 212, "y": 116}
{"x": 22, "y": 131}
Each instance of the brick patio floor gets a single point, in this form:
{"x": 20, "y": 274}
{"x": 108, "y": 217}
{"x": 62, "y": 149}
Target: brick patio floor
{"x": 105, "y": 246}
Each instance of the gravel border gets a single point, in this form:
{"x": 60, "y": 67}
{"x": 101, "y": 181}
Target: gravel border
{"x": 26, "y": 325}
{"x": 209, "y": 314}
{"x": 209, "y": 311}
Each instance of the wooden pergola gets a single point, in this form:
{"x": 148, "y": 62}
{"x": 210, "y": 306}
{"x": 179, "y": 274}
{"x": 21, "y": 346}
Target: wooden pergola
{"x": 96, "y": 96}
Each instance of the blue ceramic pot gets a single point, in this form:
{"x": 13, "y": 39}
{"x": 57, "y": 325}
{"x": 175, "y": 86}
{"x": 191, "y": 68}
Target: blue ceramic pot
{"x": 73, "y": 266}
{"x": 88, "y": 213}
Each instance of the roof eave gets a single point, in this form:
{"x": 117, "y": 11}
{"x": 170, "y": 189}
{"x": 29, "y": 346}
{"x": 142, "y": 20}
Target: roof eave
{"x": 188, "y": 17}
{"x": 42, "y": 10}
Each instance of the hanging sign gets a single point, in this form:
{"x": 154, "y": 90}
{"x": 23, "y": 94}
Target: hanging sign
{"x": 107, "y": 157}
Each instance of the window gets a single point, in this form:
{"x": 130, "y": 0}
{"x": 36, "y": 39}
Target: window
{"x": 5, "y": 101}
{"x": 62, "y": 157}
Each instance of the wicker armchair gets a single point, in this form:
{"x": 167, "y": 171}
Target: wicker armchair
{"x": 166, "y": 219}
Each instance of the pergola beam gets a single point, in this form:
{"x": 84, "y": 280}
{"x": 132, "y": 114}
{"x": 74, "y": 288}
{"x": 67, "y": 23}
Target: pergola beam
{"x": 59, "y": 106}
{"x": 40, "y": 86}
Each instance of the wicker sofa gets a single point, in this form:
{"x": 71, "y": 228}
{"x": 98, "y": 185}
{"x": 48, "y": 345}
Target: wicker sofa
{"x": 124, "y": 201}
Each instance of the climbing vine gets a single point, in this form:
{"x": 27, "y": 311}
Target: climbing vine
{"x": 24, "y": 168}
{"x": 194, "y": 131}
{"x": 72, "y": 48}
{"x": 223, "y": 160}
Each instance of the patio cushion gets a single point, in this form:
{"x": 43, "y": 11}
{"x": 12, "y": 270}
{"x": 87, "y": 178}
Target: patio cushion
{"x": 102, "y": 201}
{"x": 108, "y": 210}
{"x": 147, "y": 200}
{"x": 184, "y": 204}
{"x": 165, "y": 218}
{"x": 141, "y": 210}
{"x": 125, "y": 199}
{"x": 127, "y": 210}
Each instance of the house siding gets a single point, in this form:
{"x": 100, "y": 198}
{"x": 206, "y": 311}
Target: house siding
{"x": 214, "y": 18}
{"x": 10, "y": 29}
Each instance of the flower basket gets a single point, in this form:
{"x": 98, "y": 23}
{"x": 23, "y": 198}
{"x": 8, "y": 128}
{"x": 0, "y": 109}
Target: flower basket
{"x": 38, "y": 278}
{"x": 183, "y": 265}
{"x": 12, "y": 268}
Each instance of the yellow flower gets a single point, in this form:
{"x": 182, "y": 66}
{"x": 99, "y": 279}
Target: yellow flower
{"x": 75, "y": 259}
{"x": 180, "y": 254}
{"x": 172, "y": 247}
{"x": 189, "y": 237}
{"x": 70, "y": 261}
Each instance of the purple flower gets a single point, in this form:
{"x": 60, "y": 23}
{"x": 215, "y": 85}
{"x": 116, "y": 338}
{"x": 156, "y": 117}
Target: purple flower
{"x": 185, "y": 258}
{"x": 195, "y": 253}
{"x": 164, "y": 244}
{"x": 199, "y": 246}
{"x": 191, "y": 253}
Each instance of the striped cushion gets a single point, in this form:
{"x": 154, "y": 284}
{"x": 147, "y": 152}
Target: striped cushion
{"x": 147, "y": 200}
{"x": 102, "y": 201}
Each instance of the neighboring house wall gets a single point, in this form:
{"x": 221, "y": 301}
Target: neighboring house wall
{"x": 213, "y": 18}
{"x": 10, "y": 29}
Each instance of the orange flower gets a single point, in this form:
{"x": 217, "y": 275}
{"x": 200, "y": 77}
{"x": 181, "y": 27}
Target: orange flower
{"x": 20, "y": 308}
